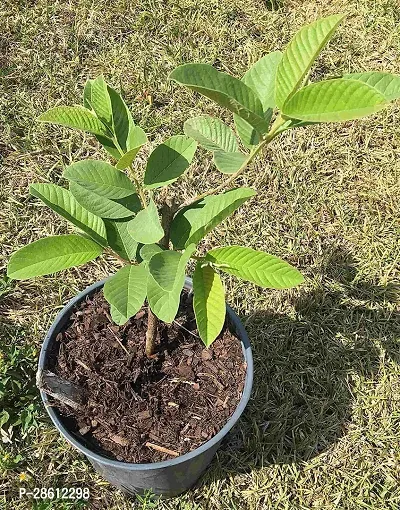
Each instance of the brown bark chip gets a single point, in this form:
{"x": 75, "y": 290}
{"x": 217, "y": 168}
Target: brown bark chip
{"x": 176, "y": 401}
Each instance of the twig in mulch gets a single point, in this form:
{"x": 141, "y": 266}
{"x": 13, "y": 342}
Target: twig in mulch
{"x": 118, "y": 340}
{"x": 162, "y": 449}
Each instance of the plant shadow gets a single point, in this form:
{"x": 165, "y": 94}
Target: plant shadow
{"x": 306, "y": 366}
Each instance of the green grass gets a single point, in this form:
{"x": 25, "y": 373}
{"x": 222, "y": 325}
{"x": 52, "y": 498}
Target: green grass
{"x": 322, "y": 429}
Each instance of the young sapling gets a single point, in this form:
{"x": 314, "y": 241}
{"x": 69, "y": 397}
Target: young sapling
{"x": 113, "y": 206}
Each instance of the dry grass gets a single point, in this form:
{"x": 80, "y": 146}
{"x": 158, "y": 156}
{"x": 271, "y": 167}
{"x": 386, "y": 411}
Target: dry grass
{"x": 322, "y": 430}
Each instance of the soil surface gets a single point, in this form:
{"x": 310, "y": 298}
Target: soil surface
{"x": 143, "y": 410}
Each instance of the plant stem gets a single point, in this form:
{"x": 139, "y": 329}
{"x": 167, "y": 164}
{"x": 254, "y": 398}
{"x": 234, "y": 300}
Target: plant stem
{"x": 167, "y": 213}
{"x": 139, "y": 188}
{"x": 133, "y": 175}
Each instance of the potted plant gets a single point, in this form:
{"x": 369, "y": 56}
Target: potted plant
{"x": 136, "y": 346}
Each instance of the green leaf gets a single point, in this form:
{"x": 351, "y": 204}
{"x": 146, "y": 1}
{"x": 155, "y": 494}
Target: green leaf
{"x": 63, "y": 203}
{"x": 139, "y": 138}
{"x": 211, "y": 133}
{"x": 126, "y": 290}
{"x": 168, "y": 161}
{"x": 51, "y": 254}
{"x": 255, "y": 266}
{"x": 145, "y": 227}
{"x": 120, "y": 239}
{"x": 229, "y": 162}
{"x": 386, "y": 83}
{"x": 117, "y": 317}
{"x": 300, "y": 54}
{"x": 334, "y": 101}
{"x": 112, "y": 110}
{"x": 248, "y": 135}
{"x": 97, "y": 96}
{"x": 109, "y": 146}
{"x": 193, "y": 222}
{"x": 148, "y": 250}
{"x": 75, "y": 117}
{"x": 208, "y": 303}
{"x": 163, "y": 267}
{"x": 165, "y": 304}
{"x": 87, "y": 95}
{"x": 123, "y": 125}
{"x": 100, "y": 178}
{"x": 224, "y": 89}
{"x": 104, "y": 207}
{"x": 261, "y": 79}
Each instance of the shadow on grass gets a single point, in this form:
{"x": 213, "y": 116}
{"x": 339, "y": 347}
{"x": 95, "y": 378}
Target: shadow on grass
{"x": 305, "y": 368}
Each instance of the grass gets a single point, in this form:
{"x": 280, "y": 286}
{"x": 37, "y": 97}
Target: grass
{"x": 323, "y": 426}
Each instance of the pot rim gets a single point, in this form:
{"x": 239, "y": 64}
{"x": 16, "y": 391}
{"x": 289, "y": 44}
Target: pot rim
{"x": 54, "y": 416}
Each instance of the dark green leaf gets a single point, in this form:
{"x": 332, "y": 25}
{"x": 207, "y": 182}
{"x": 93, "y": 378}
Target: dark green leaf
{"x": 193, "y": 222}
{"x": 168, "y": 161}
{"x": 138, "y": 139}
{"x": 145, "y": 227}
{"x": 63, "y": 203}
{"x": 100, "y": 178}
{"x": 119, "y": 238}
{"x": 104, "y": 207}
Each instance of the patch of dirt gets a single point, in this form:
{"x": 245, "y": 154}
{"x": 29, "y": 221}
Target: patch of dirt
{"x": 133, "y": 405}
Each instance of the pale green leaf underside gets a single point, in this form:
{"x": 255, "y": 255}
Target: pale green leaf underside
{"x": 300, "y": 54}
{"x": 248, "y": 135}
{"x": 145, "y": 227}
{"x": 224, "y": 89}
{"x": 99, "y": 100}
{"x": 334, "y": 101}
{"x": 104, "y": 207}
{"x": 193, "y": 222}
{"x": 117, "y": 317}
{"x": 51, "y": 254}
{"x": 386, "y": 83}
{"x": 211, "y": 133}
{"x": 120, "y": 239}
{"x": 208, "y": 303}
{"x": 165, "y": 304}
{"x": 169, "y": 161}
{"x": 126, "y": 290}
{"x": 261, "y": 78}
{"x": 256, "y": 266}
{"x": 163, "y": 267}
{"x": 64, "y": 203}
{"x": 100, "y": 178}
{"x": 229, "y": 162}
{"x": 75, "y": 117}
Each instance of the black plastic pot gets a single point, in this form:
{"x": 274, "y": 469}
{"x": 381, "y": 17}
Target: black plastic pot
{"x": 167, "y": 478}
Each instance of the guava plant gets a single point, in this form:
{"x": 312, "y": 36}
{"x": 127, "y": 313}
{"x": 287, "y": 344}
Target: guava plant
{"x": 114, "y": 206}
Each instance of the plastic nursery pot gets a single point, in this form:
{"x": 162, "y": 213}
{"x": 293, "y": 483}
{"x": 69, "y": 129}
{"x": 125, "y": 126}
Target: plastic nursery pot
{"x": 167, "y": 478}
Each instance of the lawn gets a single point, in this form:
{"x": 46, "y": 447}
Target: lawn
{"x": 322, "y": 430}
